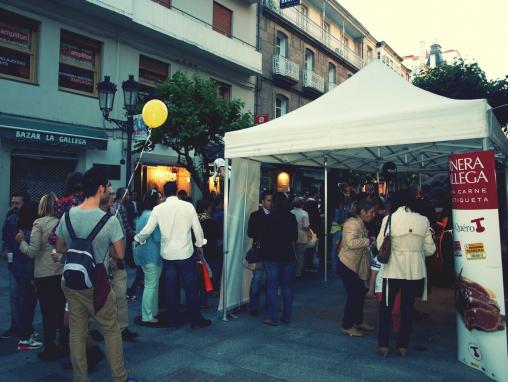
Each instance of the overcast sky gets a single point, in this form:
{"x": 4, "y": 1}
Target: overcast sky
{"x": 477, "y": 29}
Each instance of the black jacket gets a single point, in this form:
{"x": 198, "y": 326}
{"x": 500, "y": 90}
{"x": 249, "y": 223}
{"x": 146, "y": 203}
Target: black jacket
{"x": 255, "y": 225}
{"x": 278, "y": 235}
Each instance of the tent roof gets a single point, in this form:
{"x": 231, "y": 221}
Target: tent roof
{"x": 373, "y": 117}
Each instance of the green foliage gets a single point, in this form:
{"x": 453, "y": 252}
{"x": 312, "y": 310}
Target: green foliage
{"x": 197, "y": 117}
{"x": 462, "y": 80}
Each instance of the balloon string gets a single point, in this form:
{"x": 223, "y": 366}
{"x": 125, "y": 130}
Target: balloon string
{"x": 147, "y": 141}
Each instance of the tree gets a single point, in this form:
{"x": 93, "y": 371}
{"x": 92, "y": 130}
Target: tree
{"x": 197, "y": 118}
{"x": 462, "y": 80}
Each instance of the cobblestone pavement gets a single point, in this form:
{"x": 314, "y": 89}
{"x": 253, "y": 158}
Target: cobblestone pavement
{"x": 244, "y": 350}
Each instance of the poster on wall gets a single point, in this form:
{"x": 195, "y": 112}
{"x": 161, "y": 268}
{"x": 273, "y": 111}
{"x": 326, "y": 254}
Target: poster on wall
{"x": 479, "y": 296}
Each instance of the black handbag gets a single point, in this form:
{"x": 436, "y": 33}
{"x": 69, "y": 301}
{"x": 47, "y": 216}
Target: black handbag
{"x": 386, "y": 248}
{"x": 253, "y": 254}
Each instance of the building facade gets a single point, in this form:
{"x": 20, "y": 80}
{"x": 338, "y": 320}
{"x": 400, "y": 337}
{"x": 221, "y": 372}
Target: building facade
{"x": 54, "y": 52}
{"x": 431, "y": 58}
{"x": 308, "y": 49}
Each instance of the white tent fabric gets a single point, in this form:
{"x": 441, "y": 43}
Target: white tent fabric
{"x": 372, "y": 118}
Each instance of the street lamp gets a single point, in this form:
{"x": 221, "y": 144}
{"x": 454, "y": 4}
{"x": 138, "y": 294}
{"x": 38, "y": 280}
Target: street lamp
{"x": 107, "y": 90}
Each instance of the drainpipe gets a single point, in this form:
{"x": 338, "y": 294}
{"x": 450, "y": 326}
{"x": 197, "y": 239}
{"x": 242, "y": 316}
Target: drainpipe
{"x": 258, "y": 78}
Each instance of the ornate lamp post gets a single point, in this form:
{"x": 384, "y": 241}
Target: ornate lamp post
{"x": 107, "y": 90}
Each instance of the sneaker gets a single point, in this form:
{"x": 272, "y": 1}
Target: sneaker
{"x": 131, "y": 298}
{"x": 12, "y": 331}
{"x": 365, "y": 327}
{"x": 129, "y": 336}
{"x": 29, "y": 344}
{"x": 34, "y": 335}
{"x": 352, "y": 332}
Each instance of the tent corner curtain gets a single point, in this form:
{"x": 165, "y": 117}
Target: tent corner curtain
{"x": 243, "y": 198}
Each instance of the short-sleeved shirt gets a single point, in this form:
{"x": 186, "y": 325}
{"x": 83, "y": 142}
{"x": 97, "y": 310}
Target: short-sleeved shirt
{"x": 302, "y": 218}
{"x": 83, "y": 222}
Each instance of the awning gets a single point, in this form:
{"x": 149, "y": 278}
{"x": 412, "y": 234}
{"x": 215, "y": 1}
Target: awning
{"x": 32, "y": 130}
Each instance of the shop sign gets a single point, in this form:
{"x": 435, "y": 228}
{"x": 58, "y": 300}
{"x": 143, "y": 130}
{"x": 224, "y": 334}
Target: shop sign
{"x": 14, "y": 63}
{"x": 288, "y": 3}
{"x": 18, "y": 37}
{"x": 49, "y": 138}
{"x": 479, "y": 294}
{"x": 261, "y": 118}
{"x": 140, "y": 132}
{"x": 76, "y": 55}
{"x": 72, "y": 77}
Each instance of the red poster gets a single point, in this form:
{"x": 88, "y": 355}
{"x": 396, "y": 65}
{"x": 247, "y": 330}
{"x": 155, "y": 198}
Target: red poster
{"x": 261, "y": 118}
{"x": 473, "y": 181}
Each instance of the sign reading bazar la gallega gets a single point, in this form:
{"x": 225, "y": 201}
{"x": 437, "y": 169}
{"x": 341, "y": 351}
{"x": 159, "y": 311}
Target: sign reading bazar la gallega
{"x": 50, "y": 138}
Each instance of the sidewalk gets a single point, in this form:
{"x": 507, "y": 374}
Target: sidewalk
{"x": 311, "y": 348}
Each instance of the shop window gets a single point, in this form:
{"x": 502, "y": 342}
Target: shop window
{"x": 157, "y": 176}
{"x": 224, "y": 90}
{"x": 112, "y": 170}
{"x": 79, "y": 63}
{"x": 281, "y": 105}
{"x": 222, "y": 19}
{"x": 281, "y": 44}
{"x": 283, "y": 182}
{"x": 164, "y": 3}
{"x": 18, "y": 47}
{"x": 151, "y": 73}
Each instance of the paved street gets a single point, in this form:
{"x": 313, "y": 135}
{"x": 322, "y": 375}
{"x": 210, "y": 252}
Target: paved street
{"x": 309, "y": 349}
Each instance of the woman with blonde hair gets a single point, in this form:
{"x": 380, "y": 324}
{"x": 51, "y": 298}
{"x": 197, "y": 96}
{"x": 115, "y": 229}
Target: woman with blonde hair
{"x": 48, "y": 274}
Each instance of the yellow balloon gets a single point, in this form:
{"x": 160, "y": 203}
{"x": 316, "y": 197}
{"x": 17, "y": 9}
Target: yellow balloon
{"x": 155, "y": 113}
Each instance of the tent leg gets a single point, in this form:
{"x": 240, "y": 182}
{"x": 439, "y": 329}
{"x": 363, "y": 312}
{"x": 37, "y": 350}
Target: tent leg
{"x": 326, "y": 220}
{"x": 225, "y": 244}
{"x": 485, "y": 144}
{"x": 506, "y": 190}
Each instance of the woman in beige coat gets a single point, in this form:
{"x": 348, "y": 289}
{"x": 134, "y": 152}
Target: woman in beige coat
{"x": 354, "y": 267}
{"x": 411, "y": 242}
{"x": 48, "y": 274}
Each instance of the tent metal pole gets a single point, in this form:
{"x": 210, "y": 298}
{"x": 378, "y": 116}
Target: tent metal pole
{"x": 485, "y": 144}
{"x": 506, "y": 189}
{"x": 326, "y": 219}
{"x": 225, "y": 244}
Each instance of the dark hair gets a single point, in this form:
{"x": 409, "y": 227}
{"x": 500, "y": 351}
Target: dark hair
{"x": 92, "y": 179}
{"x": 182, "y": 194}
{"x": 150, "y": 200}
{"x": 202, "y": 205}
{"x": 73, "y": 183}
{"x": 264, "y": 194}
{"x": 27, "y": 215}
{"x": 120, "y": 193}
{"x": 22, "y": 194}
{"x": 361, "y": 204}
{"x": 169, "y": 189}
{"x": 404, "y": 198}
{"x": 280, "y": 202}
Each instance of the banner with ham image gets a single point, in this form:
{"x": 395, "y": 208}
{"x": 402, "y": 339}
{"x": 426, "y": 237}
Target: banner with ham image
{"x": 479, "y": 296}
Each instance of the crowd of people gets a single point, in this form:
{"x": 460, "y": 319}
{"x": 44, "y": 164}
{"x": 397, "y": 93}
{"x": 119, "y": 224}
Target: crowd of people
{"x": 70, "y": 255}
{"x": 288, "y": 238}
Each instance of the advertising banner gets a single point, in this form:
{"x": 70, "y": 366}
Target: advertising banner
{"x": 140, "y": 132}
{"x": 479, "y": 297}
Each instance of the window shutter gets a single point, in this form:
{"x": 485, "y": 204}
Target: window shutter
{"x": 222, "y": 19}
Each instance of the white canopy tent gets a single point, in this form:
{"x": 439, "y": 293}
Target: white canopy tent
{"x": 372, "y": 118}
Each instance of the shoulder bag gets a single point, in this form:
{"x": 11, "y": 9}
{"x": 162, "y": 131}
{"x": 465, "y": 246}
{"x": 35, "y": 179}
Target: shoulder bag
{"x": 386, "y": 248}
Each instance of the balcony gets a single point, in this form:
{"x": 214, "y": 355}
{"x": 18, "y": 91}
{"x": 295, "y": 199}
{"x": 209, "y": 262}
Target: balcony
{"x": 312, "y": 82}
{"x": 285, "y": 70}
{"x": 316, "y": 31}
{"x": 180, "y": 30}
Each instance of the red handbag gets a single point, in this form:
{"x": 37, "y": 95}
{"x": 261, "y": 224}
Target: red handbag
{"x": 205, "y": 276}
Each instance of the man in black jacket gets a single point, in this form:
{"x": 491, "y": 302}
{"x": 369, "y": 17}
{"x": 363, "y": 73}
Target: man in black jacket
{"x": 254, "y": 231}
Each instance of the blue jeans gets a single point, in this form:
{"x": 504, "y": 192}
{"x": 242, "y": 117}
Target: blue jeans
{"x": 256, "y": 287}
{"x": 336, "y": 238}
{"x": 279, "y": 274}
{"x": 186, "y": 272}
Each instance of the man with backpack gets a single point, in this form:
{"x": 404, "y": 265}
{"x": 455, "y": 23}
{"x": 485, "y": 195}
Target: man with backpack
{"x": 85, "y": 234}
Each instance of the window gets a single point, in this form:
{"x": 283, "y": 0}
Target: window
{"x": 222, "y": 19}
{"x": 164, "y": 3}
{"x": 304, "y": 17}
{"x": 332, "y": 74}
{"x": 151, "y": 72}
{"x": 18, "y": 47}
{"x": 346, "y": 42}
{"x": 79, "y": 63}
{"x": 369, "y": 54}
{"x": 326, "y": 32}
{"x": 281, "y": 44}
{"x": 281, "y": 105}
{"x": 309, "y": 59}
{"x": 224, "y": 90}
